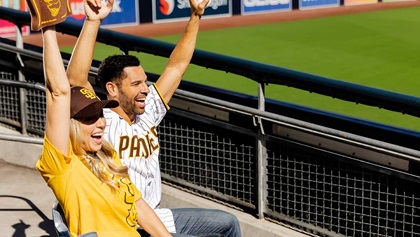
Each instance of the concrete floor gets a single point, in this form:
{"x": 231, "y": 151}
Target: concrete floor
{"x": 25, "y": 203}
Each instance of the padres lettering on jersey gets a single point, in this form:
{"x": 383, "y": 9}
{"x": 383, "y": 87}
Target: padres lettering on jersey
{"x": 138, "y": 146}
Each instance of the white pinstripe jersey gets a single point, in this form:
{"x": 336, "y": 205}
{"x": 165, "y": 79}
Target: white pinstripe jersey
{"x": 137, "y": 144}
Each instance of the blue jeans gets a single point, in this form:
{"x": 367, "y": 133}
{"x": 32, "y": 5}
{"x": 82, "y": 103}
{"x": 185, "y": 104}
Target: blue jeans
{"x": 202, "y": 222}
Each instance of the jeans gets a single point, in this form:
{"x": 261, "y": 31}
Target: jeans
{"x": 202, "y": 222}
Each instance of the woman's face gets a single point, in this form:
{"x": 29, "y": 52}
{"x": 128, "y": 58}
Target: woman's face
{"x": 92, "y": 130}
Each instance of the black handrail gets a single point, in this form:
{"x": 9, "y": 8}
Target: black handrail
{"x": 259, "y": 72}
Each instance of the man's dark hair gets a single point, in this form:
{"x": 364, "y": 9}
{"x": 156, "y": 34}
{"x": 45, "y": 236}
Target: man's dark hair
{"x": 112, "y": 68}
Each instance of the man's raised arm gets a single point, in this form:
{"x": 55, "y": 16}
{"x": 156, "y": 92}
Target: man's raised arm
{"x": 181, "y": 56}
{"x": 82, "y": 56}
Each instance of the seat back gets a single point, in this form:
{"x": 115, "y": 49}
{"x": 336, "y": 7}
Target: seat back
{"x": 60, "y": 224}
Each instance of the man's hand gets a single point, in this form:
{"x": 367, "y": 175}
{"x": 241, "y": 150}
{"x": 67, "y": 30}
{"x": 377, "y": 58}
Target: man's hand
{"x": 97, "y": 9}
{"x": 197, "y": 7}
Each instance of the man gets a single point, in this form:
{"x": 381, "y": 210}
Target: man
{"x": 131, "y": 127}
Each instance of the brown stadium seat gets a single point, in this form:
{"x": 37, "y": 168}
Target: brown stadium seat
{"x": 48, "y": 12}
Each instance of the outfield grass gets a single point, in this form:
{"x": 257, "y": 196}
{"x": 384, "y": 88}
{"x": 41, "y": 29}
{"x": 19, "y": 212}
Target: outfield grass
{"x": 378, "y": 49}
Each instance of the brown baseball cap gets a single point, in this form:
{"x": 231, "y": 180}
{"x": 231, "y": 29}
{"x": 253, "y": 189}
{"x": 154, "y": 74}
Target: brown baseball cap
{"x": 85, "y": 104}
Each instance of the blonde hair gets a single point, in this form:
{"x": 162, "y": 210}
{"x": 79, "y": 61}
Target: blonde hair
{"x": 100, "y": 160}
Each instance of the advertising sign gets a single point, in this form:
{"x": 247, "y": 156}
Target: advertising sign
{"x": 307, "y": 4}
{"x": 397, "y": 0}
{"x": 124, "y": 12}
{"x": 176, "y": 10}
{"x": 8, "y": 29}
{"x": 358, "y": 2}
{"x": 261, "y": 6}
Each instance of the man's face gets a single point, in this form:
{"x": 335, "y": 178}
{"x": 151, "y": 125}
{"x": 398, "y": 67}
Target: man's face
{"x": 132, "y": 91}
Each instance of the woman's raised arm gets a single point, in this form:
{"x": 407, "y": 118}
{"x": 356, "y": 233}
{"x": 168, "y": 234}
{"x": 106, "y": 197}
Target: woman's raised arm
{"x": 57, "y": 92}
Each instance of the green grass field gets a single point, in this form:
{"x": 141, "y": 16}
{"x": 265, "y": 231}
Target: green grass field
{"x": 378, "y": 49}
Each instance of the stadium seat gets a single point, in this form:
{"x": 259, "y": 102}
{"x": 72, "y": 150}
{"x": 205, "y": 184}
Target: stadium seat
{"x": 60, "y": 224}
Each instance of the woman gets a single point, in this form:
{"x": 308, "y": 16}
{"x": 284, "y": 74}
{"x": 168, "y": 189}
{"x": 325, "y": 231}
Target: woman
{"x": 82, "y": 169}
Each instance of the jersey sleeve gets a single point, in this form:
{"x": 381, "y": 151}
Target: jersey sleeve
{"x": 156, "y": 106}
